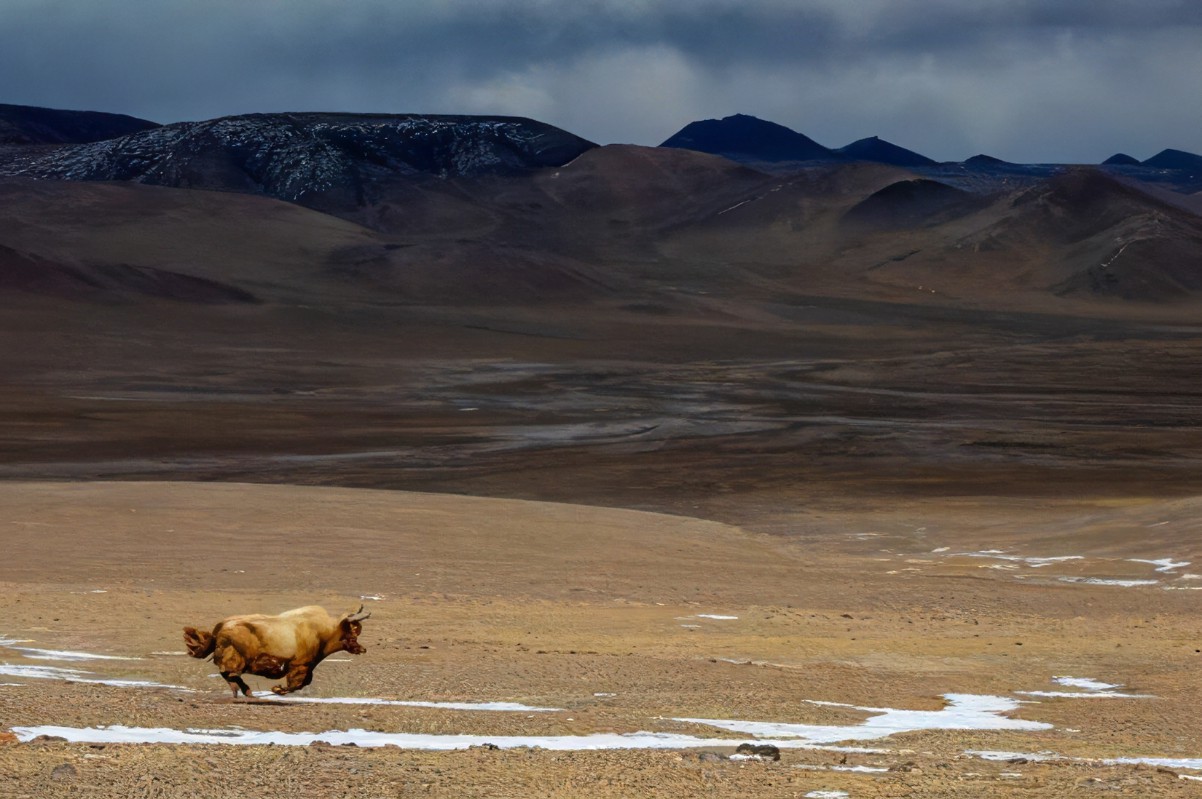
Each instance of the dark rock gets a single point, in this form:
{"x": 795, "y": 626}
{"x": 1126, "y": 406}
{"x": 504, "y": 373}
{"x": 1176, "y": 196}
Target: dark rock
{"x": 64, "y": 771}
{"x": 765, "y": 751}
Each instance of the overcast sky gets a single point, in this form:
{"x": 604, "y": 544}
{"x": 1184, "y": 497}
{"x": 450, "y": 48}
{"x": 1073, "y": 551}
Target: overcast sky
{"x": 1023, "y": 80}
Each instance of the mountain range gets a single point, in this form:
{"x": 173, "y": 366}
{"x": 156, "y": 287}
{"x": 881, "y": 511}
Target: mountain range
{"x": 494, "y": 306}
{"x": 775, "y": 148}
{"x": 475, "y": 210}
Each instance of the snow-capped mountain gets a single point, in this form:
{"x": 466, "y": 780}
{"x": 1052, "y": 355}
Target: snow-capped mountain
{"x": 309, "y": 158}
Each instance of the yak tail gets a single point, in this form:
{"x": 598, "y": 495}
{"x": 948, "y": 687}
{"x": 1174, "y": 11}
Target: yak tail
{"x": 200, "y": 643}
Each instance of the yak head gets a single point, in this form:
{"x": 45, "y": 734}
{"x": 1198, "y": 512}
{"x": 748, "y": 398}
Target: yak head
{"x": 349, "y": 627}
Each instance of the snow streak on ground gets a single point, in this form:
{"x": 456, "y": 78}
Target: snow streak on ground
{"x": 75, "y": 675}
{"x": 963, "y": 712}
{"x": 1192, "y": 763}
{"x": 1090, "y": 689}
{"x": 504, "y": 707}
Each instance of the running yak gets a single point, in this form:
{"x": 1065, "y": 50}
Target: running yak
{"x": 288, "y": 646}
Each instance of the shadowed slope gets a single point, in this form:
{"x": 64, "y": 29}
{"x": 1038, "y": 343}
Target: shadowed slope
{"x": 23, "y": 124}
{"x": 910, "y": 204}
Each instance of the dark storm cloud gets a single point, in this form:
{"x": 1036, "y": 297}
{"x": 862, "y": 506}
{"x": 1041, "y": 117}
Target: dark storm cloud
{"x": 1022, "y": 79}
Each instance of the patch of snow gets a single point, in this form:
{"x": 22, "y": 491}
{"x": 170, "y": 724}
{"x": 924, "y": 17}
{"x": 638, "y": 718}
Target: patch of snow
{"x": 373, "y": 597}
{"x": 1033, "y": 562}
{"x": 986, "y": 754}
{"x": 1104, "y": 581}
{"x": 33, "y": 653}
{"x": 716, "y": 616}
{"x": 1163, "y": 564}
{"x": 733, "y": 207}
{"x": 504, "y": 707}
{"x": 827, "y": 795}
{"x": 1085, "y": 695}
{"x": 1192, "y": 763}
{"x": 963, "y": 712}
{"x": 369, "y": 738}
{"x": 75, "y": 675}
{"x": 1086, "y": 683}
{"x": 855, "y": 769}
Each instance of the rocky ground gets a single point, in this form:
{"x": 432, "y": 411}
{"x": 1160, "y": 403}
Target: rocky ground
{"x": 600, "y": 622}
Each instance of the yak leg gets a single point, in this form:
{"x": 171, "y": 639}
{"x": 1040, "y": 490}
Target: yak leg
{"x": 236, "y": 683}
{"x": 268, "y": 666}
{"x": 298, "y": 677}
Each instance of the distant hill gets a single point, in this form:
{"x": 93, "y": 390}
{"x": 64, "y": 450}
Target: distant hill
{"x": 911, "y": 204}
{"x": 985, "y": 160}
{"x": 883, "y": 152}
{"x": 1121, "y": 159}
{"x": 327, "y": 161}
{"x": 748, "y": 139}
{"x": 1175, "y": 159}
{"x": 25, "y": 124}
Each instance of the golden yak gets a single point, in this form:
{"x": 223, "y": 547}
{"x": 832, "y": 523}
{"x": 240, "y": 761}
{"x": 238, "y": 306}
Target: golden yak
{"x": 287, "y": 646}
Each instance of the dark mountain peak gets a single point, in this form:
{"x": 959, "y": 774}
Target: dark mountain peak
{"x": 985, "y": 160}
{"x": 1174, "y": 159}
{"x": 745, "y": 138}
{"x": 327, "y": 160}
{"x": 877, "y": 149}
{"x": 27, "y": 124}
{"x": 1121, "y": 159}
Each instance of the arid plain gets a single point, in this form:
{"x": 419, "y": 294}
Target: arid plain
{"x": 674, "y": 448}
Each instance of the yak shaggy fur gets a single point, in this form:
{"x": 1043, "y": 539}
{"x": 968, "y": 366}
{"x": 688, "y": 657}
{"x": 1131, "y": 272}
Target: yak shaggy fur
{"x": 287, "y": 646}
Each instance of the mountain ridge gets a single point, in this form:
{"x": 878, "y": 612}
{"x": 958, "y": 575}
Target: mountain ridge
{"x": 28, "y": 125}
{"x": 318, "y": 159}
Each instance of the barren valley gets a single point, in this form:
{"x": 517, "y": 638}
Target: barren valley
{"x": 634, "y": 458}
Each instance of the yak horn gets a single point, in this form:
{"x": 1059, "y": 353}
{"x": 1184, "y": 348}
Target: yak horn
{"x": 359, "y": 615}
